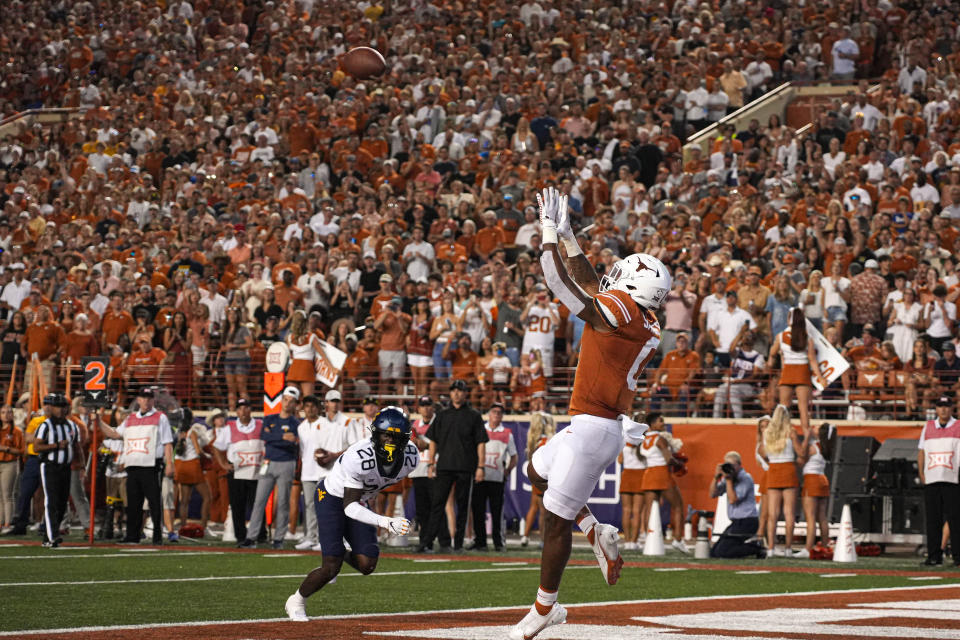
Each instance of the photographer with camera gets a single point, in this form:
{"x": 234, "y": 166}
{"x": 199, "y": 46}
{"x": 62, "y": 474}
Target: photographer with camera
{"x": 731, "y": 479}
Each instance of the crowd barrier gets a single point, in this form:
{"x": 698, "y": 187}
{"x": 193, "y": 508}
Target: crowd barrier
{"x": 870, "y": 394}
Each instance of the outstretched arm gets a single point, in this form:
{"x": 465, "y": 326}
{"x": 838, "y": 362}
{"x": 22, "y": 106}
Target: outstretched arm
{"x": 578, "y": 266}
{"x": 578, "y": 301}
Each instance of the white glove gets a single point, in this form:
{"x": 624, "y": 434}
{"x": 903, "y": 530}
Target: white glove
{"x": 398, "y": 526}
{"x": 549, "y": 203}
{"x": 564, "y": 230}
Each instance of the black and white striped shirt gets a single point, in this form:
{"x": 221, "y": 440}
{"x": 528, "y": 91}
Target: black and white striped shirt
{"x": 54, "y": 430}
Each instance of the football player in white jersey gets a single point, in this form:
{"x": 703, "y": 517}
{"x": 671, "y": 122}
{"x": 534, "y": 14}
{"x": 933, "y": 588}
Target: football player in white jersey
{"x": 359, "y": 474}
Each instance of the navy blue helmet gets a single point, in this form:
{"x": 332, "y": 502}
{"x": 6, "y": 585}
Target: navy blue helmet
{"x": 393, "y": 421}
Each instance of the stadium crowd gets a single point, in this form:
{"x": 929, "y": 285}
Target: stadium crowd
{"x": 227, "y": 186}
{"x": 226, "y": 175}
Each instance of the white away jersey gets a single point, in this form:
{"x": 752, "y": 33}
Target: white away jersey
{"x": 357, "y": 469}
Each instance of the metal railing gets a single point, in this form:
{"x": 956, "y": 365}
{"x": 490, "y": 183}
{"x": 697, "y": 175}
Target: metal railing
{"x": 677, "y": 393}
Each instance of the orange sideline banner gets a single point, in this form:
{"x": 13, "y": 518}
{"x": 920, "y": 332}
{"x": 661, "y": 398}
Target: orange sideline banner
{"x": 705, "y": 444}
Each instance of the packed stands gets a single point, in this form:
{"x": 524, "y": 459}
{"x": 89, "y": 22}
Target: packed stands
{"x": 220, "y": 160}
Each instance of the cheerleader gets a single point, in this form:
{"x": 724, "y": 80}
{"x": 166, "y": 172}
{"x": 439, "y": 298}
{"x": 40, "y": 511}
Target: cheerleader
{"x": 783, "y": 451}
{"x": 659, "y": 449}
{"x": 633, "y": 464}
{"x": 799, "y": 358}
{"x": 542, "y": 428}
{"x": 304, "y": 349}
{"x": 816, "y": 488}
{"x": 762, "y": 480}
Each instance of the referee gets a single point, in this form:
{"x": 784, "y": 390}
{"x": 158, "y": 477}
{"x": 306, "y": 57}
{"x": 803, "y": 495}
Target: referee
{"x": 57, "y": 442}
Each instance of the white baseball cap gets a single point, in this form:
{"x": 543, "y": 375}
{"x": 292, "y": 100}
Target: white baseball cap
{"x": 293, "y": 392}
{"x": 332, "y": 395}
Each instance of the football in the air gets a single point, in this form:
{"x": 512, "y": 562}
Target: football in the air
{"x": 363, "y": 62}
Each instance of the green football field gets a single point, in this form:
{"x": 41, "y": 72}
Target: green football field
{"x": 108, "y": 586}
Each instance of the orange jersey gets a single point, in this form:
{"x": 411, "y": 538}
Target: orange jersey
{"x": 611, "y": 364}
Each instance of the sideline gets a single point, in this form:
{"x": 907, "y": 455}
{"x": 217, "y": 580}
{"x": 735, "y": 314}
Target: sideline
{"x": 756, "y": 596}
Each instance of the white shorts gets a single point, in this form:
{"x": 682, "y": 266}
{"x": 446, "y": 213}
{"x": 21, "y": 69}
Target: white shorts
{"x": 573, "y": 461}
{"x": 391, "y": 364}
{"x": 415, "y": 360}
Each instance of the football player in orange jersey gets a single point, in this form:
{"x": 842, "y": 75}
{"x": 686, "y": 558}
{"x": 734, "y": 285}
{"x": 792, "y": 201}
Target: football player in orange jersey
{"x": 621, "y": 336}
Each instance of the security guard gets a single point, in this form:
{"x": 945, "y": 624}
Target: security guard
{"x": 147, "y": 452}
{"x": 56, "y": 442}
{"x": 458, "y": 439}
{"x": 939, "y": 463}
{"x": 30, "y": 478}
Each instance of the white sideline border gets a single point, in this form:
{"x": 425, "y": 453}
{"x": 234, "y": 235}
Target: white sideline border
{"x": 57, "y": 555}
{"x": 354, "y": 616}
{"x": 54, "y": 583}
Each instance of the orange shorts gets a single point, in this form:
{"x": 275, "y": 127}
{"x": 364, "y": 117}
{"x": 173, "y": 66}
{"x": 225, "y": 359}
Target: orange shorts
{"x": 301, "y": 371}
{"x": 187, "y": 471}
{"x": 656, "y": 479}
{"x": 631, "y": 480}
{"x": 795, "y": 374}
{"x": 782, "y": 475}
{"x": 816, "y": 485}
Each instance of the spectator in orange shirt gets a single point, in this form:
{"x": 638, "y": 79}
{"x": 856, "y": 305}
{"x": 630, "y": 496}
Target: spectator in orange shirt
{"x": 43, "y": 339}
{"x": 675, "y": 375}
{"x": 115, "y": 322}
{"x": 79, "y": 343}
{"x": 463, "y": 357}
{"x": 145, "y": 364}
{"x": 393, "y": 325}
{"x": 489, "y": 238}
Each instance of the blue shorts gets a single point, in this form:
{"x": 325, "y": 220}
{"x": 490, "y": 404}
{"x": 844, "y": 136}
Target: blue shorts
{"x": 836, "y": 313}
{"x": 333, "y": 526}
{"x": 236, "y": 367}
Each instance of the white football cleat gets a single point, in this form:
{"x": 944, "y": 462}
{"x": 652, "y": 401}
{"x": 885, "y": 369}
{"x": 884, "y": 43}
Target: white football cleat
{"x": 533, "y": 623}
{"x": 606, "y": 541}
{"x": 296, "y": 608}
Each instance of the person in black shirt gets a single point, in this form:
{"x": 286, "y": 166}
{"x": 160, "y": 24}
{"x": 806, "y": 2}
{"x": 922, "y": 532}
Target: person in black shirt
{"x": 270, "y": 332}
{"x": 11, "y": 337}
{"x": 57, "y": 442}
{"x": 458, "y": 438}
{"x": 947, "y": 370}
{"x": 268, "y": 308}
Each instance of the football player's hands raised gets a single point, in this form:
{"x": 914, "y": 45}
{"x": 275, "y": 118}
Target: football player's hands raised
{"x": 564, "y": 230}
{"x": 548, "y": 201}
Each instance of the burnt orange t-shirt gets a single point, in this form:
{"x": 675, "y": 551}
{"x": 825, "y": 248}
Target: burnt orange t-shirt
{"x": 612, "y": 363}
{"x": 677, "y": 367}
{"x": 43, "y": 339}
{"x": 115, "y": 324}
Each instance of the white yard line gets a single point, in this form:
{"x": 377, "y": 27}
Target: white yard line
{"x": 203, "y": 623}
{"x": 758, "y": 572}
{"x": 264, "y": 577}
{"x": 56, "y": 555}
{"x": 838, "y": 575}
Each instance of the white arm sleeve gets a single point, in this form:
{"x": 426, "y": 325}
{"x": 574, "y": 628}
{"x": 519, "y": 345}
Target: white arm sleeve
{"x": 360, "y": 513}
{"x": 567, "y": 296}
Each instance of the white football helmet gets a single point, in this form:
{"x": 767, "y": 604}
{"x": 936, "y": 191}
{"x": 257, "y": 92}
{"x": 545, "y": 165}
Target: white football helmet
{"x": 642, "y": 277}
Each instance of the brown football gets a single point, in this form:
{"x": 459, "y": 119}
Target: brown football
{"x": 363, "y": 62}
